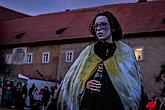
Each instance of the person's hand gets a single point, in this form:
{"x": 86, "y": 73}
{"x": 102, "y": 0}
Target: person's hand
{"x": 93, "y": 85}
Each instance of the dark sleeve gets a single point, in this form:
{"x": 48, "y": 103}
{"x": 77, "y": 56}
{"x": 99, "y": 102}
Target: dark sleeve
{"x": 144, "y": 100}
{"x": 53, "y": 104}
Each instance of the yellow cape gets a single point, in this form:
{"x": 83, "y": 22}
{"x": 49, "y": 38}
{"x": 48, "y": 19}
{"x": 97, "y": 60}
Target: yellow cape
{"x": 123, "y": 71}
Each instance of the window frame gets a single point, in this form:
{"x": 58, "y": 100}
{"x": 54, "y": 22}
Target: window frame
{"x": 43, "y": 57}
{"x": 142, "y": 53}
{"x": 69, "y": 56}
{"x": 31, "y": 61}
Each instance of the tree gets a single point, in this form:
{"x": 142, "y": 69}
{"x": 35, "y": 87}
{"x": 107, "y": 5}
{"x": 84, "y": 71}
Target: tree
{"x": 3, "y": 64}
{"x": 5, "y": 69}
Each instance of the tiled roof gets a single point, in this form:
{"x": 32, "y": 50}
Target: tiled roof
{"x": 133, "y": 17}
{"x": 8, "y": 14}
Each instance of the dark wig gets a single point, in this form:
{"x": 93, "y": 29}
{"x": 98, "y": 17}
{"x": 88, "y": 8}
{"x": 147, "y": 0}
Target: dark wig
{"x": 114, "y": 24}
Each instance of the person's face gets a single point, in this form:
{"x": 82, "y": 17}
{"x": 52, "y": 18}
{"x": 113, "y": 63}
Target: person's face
{"x": 163, "y": 77}
{"x": 103, "y": 29}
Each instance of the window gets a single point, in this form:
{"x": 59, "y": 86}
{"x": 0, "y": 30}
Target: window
{"x": 29, "y": 58}
{"x": 8, "y": 58}
{"x": 45, "y": 57}
{"x": 139, "y": 53}
{"x": 69, "y": 56}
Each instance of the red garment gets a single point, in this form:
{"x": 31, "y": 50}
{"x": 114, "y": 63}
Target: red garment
{"x": 151, "y": 105}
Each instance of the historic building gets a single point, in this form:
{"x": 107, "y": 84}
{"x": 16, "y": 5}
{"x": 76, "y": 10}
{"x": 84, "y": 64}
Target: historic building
{"x": 45, "y": 46}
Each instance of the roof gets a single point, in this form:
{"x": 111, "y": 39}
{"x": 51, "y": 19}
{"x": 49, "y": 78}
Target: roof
{"x": 8, "y": 14}
{"x": 133, "y": 17}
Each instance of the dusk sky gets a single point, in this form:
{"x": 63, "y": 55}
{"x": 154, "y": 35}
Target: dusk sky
{"x": 36, "y": 7}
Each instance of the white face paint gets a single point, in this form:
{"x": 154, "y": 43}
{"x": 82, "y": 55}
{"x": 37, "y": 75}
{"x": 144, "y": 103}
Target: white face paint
{"x": 103, "y": 29}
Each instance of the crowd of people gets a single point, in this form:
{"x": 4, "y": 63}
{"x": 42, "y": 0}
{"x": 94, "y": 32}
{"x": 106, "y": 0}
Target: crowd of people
{"x": 19, "y": 96}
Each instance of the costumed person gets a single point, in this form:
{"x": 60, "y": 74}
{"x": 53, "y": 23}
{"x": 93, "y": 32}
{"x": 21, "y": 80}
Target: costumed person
{"x": 106, "y": 75}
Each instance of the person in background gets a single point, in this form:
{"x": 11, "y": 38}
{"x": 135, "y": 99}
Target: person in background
{"x": 45, "y": 96}
{"x": 53, "y": 101}
{"x": 31, "y": 90}
{"x": 24, "y": 94}
{"x": 8, "y": 94}
{"x": 161, "y": 79}
{"x": 106, "y": 75}
{"x": 21, "y": 92}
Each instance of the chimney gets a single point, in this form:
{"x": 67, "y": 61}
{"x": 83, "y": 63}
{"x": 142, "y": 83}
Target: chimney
{"x": 140, "y": 1}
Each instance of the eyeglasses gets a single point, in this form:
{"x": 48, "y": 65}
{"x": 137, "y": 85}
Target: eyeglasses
{"x": 102, "y": 25}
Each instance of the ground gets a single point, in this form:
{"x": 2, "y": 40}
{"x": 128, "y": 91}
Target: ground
{"x": 3, "y": 108}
